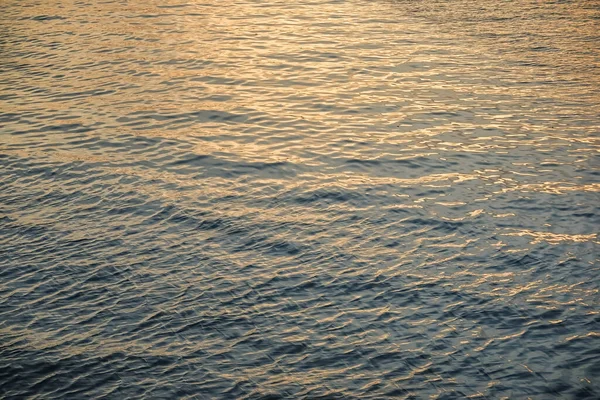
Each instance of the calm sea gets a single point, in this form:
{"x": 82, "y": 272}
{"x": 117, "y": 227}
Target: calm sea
{"x": 299, "y": 199}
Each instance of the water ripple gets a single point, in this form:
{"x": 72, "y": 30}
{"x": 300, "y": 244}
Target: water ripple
{"x": 309, "y": 199}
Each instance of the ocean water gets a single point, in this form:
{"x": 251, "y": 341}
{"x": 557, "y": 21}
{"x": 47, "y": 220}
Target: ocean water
{"x": 300, "y": 199}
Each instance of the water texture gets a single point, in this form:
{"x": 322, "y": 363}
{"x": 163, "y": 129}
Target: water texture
{"x": 303, "y": 199}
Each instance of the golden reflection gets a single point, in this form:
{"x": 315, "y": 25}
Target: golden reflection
{"x": 382, "y": 142}
{"x": 554, "y": 238}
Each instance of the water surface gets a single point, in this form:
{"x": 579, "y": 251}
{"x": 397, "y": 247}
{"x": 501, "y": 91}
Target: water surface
{"x": 299, "y": 199}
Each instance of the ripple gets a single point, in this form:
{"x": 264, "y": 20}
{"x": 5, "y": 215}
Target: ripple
{"x": 315, "y": 199}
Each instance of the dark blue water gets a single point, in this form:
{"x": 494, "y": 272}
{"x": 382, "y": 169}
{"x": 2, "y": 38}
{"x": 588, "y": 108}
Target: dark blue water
{"x": 299, "y": 199}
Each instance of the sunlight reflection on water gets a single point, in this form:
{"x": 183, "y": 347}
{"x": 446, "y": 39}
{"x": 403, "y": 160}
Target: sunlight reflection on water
{"x": 307, "y": 199}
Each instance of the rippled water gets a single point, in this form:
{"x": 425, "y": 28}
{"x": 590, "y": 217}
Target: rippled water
{"x": 299, "y": 199}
